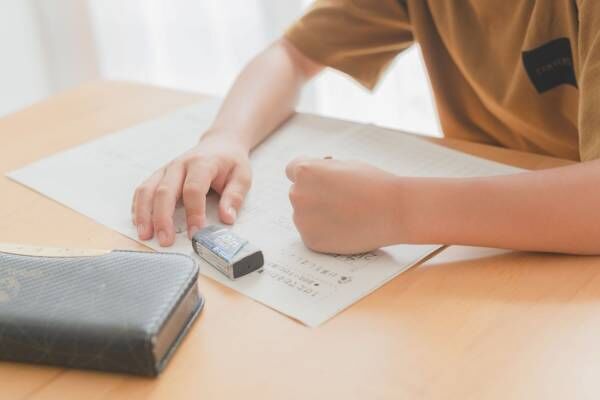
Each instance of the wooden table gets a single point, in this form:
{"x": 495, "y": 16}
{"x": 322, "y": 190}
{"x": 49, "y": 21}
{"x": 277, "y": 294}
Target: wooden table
{"x": 468, "y": 324}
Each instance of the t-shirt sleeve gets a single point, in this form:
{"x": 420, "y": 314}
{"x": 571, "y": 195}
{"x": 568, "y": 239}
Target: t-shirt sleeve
{"x": 357, "y": 37}
{"x": 589, "y": 79}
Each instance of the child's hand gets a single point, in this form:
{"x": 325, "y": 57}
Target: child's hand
{"x": 344, "y": 206}
{"x": 215, "y": 163}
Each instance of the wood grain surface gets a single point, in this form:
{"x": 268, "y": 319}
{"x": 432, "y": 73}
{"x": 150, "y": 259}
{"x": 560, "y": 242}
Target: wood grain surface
{"x": 467, "y": 324}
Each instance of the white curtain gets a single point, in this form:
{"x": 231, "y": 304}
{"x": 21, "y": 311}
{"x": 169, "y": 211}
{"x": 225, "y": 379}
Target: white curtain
{"x": 200, "y": 45}
{"x": 23, "y": 77}
{"x": 189, "y": 44}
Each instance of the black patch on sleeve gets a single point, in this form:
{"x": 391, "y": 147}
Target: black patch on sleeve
{"x": 550, "y": 65}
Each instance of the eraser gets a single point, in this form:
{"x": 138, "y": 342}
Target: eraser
{"x": 231, "y": 254}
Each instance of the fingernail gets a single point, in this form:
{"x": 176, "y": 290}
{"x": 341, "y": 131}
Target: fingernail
{"x": 140, "y": 230}
{"x": 162, "y": 237}
{"x": 233, "y": 212}
{"x": 192, "y": 230}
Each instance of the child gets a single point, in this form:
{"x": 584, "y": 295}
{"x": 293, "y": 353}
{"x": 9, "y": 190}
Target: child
{"x": 522, "y": 74}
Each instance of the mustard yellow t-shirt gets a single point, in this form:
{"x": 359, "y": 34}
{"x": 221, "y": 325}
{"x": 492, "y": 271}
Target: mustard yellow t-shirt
{"x": 523, "y": 74}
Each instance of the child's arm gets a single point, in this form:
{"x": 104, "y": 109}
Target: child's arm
{"x": 262, "y": 97}
{"x": 556, "y": 210}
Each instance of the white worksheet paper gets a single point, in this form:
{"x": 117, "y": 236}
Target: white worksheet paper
{"x": 98, "y": 179}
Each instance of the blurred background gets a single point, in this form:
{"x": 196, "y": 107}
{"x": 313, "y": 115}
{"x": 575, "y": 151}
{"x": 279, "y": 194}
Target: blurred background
{"x": 194, "y": 45}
